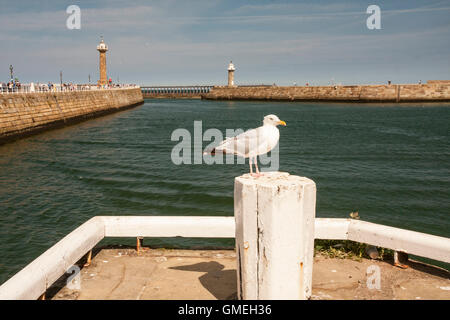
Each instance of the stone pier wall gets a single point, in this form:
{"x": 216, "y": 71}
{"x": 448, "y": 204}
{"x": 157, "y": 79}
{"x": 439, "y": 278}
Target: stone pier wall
{"x": 359, "y": 93}
{"x": 22, "y": 114}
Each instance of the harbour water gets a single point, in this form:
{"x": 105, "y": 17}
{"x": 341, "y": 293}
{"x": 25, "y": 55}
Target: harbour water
{"x": 389, "y": 162}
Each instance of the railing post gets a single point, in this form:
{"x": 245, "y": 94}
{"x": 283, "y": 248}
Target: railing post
{"x": 275, "y": 217}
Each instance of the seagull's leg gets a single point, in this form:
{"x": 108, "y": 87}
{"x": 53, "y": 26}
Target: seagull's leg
{"x": 256, "y": 165}
{"x": 257, "y": 174}
{"x": 250, "y": 162}
{"x": 257, "y": 169}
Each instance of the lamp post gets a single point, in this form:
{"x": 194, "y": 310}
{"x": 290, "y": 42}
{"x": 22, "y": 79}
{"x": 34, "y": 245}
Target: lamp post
{"x": 11, "y": 71}
{"x": 60, "y": 80}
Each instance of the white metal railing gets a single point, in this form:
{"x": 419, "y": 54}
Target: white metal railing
{"x": 43, "y": 88}
{"x": 412, "y": 242}
{"x": 39, "y": 275}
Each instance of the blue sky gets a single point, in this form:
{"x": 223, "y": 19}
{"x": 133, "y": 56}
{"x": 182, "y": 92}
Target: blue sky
{"x": 175, "y": 42}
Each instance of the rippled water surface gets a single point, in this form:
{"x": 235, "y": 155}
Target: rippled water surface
{"x": 389, "y": 162}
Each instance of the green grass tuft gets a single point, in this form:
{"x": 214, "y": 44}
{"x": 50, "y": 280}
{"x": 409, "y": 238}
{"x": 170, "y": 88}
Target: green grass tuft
{"x": 346, "y": 249}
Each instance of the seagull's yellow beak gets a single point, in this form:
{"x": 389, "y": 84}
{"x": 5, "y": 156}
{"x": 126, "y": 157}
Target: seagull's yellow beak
{"x": 282, "y": 123}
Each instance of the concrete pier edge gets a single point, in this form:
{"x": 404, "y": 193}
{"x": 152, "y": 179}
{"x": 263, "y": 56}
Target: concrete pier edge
{"x": 392, "y": 93}
{"x": 66, "y": 113}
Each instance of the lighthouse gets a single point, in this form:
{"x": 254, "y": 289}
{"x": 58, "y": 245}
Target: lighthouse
{"x": 102, "y": 48}
{"x": 231, "y": 74}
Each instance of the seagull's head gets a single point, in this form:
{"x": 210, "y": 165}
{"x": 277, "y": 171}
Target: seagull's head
{"x": 273, "y": 120}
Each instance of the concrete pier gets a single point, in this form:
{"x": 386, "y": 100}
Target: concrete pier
{"x": 171, "y": 274}
{"x": 430, "y": 92}
{"x": 434, "y": 91}
{"x": 22, "y": 114}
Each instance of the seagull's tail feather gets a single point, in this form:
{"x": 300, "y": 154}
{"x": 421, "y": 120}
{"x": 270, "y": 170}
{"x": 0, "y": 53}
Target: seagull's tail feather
{"x": 209, "y": 152}
{"x": 225, "y": 147}
{"x": 212, "y": 152}
{"x": 215, "y": 151}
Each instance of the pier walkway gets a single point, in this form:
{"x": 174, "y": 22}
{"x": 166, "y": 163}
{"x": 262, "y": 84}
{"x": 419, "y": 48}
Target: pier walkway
{"x": 123, "y": 274}
{"x": 188, "y": 92}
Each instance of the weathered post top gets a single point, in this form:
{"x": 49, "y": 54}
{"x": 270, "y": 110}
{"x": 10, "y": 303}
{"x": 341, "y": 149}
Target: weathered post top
{"x": 270, "y": 179}
{"x": 275, "y": 216}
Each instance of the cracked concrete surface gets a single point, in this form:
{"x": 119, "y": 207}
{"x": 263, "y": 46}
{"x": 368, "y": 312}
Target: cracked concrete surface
{"x": 123, "y": 274}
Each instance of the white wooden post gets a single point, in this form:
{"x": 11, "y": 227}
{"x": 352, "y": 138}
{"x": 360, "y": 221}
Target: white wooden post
{"x": 274, "y": 216}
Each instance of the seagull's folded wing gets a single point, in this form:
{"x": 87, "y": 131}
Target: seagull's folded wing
{"x": 244, "y": 145}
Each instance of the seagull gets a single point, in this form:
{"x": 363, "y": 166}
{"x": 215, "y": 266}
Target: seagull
{"x": 253, "y": 142}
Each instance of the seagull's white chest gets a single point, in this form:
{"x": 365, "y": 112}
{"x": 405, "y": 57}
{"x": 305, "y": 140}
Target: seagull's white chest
{"x": 270, "y": 136}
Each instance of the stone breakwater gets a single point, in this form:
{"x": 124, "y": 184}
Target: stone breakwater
{"x": 23, "y": 114}
{"x": 430, "y": 92}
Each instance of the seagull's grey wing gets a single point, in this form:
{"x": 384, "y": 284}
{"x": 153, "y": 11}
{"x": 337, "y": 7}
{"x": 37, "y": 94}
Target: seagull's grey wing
{"x": 243, "y": 145}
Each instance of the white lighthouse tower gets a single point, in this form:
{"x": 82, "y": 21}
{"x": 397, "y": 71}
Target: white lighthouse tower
{"x": 231, "y": 74}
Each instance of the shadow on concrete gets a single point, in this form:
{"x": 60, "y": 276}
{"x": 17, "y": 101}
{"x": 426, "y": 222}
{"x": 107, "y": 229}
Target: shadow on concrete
{"x": 220, "y": 283}
{"x": 427, "y": 268}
